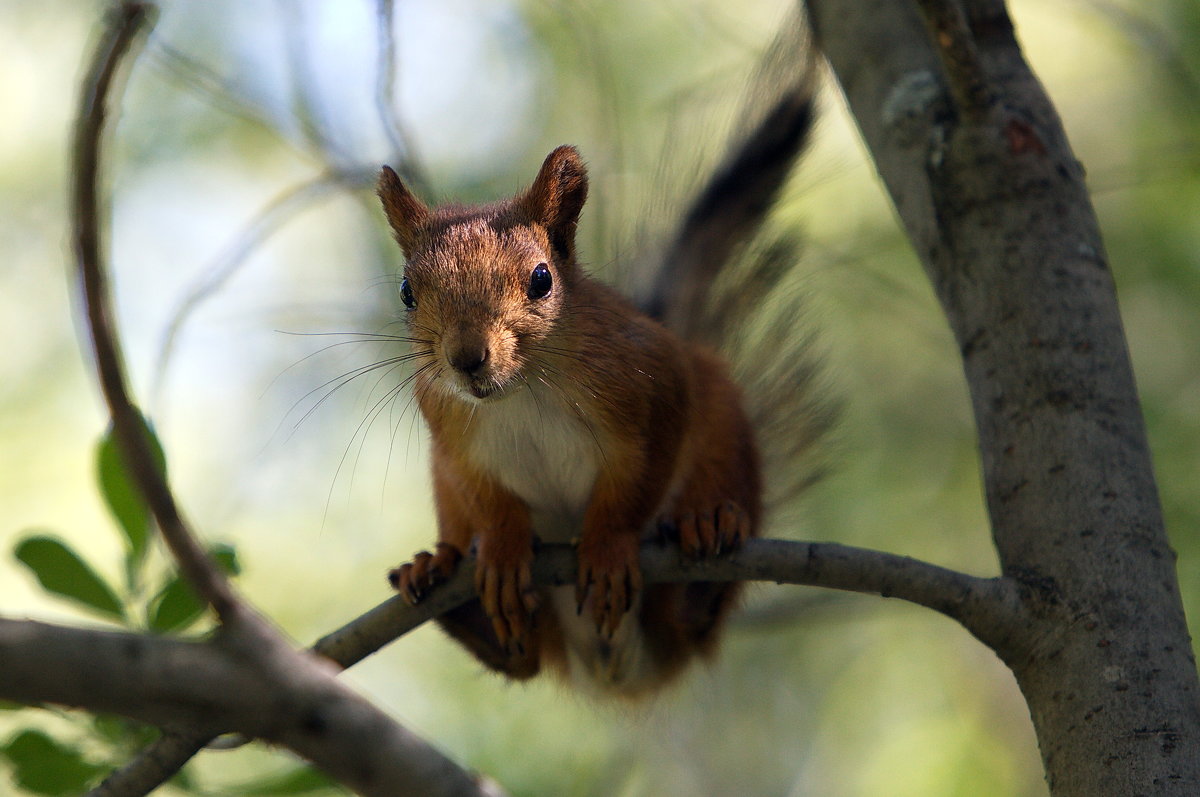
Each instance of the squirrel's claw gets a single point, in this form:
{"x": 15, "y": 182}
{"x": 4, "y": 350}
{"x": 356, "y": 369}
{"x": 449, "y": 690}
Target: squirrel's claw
{"x": 413, "y": 580}
{"x": 508, "y": 598}
{"x": 712, "y": 532}
{"x": 609, "y": 579}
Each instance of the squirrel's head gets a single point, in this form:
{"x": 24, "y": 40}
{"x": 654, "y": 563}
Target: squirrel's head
{"x": 484, "y": 287}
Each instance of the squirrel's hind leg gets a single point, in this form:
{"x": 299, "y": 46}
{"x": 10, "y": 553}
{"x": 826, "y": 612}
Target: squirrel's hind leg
{"x": 470, "y": 625}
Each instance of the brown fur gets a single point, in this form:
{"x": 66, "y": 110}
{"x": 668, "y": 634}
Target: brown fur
{"x": 658, "y": 425}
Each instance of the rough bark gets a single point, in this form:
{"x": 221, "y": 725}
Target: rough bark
{"x": 227, "y": 683}
{"x": 984, "y": 181}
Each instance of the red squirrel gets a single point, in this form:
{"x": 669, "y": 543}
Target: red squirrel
{"x": 560, "y": 412}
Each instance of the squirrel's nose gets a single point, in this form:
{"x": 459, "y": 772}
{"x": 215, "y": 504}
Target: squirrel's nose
{"x": 469, "y": 360}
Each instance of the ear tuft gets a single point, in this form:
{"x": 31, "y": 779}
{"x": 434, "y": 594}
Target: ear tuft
{"x": 556, "y": 197}
{"x": 406, "y": 214}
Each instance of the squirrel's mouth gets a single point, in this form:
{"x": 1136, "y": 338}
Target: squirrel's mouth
{"x": 473, "y": 388}
{"x": 478, "y": 391}
{"x": 484, "y": 391}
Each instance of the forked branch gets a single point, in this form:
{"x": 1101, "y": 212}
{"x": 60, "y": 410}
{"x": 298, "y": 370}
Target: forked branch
{"x": 990, "y": 608}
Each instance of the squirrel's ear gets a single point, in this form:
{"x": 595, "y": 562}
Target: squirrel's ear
{"x": 557, "y": 195}
{"x": 408, "y": 215}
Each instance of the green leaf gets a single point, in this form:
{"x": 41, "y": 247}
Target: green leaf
{"x": 124, "y": 732}
{"x": 123, "y": 498}
{"x": 111, "y": 727}
{"x": 226, "y": 558}
{"x": 303, "y": 780}
{"x": 176, "y": 606}
{"x": 43, "y": 766}
{"x": 62, "y": 572}
{"x": 183, "y": 780}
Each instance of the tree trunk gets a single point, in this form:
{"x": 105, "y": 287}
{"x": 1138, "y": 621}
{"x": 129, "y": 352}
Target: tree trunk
{"x": 983, "y": 179}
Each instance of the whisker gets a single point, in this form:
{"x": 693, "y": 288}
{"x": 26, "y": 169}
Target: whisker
{"x": 365, "y": 337}
{"x": 343, "y": 380}
{"x": 558, "y": 350}
{"x": 364, "y": 427}
{"x": 536, "y": 398}
{"x": 367, "y": 421}
{"x": 385, "y": 279}
{"x": 357, "y": 335}
{"x": 361, "y": 370}
{"x": 387, "y": 400}
{"x": 601, "y": 397}
{"x": 579, "y": 414}
{"x": 470, "y": 418}
{"x": 394, "y": 425}
{"x": 412, "y": 425}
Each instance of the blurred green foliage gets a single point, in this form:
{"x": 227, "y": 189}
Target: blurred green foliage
{"x": 41, "y": 765}
{"x": 124, "y": 503}
{"x": 234, "y": 104}
{"x": 61, "y": 764}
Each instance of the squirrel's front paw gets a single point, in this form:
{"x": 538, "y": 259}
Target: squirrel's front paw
{"x": 414, "y": 579}
{"x": 609, "y": 578}
{"x": 712, "y": 532}
{"x": 504, "y": 581}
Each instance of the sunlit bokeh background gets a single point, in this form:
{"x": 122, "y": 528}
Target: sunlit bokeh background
{"x": 244, "y": 230}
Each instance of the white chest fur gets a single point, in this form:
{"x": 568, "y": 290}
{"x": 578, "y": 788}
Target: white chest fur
{"x": 542, "y": 449}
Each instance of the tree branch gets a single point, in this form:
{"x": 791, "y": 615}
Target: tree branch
{"x": 947, "y": 23}
{"x": 151, "y": 768}
{"x": 269, "y": 219}
{"x": 997, "y": 208}
{"x": 992, "y": 609}
{"x": 387, "y": 72}
{"x": 989, "y": 608}
{"x": 221, "y": 684}
{"x": 126, "y": 22}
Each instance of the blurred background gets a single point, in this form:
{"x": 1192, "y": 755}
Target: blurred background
{"x": 245, "y": 231}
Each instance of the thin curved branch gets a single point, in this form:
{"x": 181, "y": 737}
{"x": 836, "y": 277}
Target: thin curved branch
{"x": 989, "y": 608}
{"x": 404, "y": 158}
{"x": 221, "y": 94}
{"x": 125, "y": 24}
{"x": 153, "y": 766}
{"x": 269, "y": 219}
{"x": 308, "y": 108}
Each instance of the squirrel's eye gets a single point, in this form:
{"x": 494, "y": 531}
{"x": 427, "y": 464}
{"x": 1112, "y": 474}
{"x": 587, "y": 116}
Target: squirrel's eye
{"x": 540, "y": 282}
{"x": 406, "y": 295}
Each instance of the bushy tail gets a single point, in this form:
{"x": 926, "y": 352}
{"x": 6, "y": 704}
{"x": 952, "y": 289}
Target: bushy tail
{"x": 720, "y": 283}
